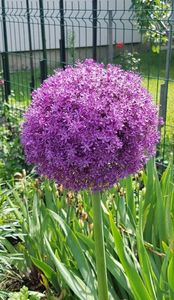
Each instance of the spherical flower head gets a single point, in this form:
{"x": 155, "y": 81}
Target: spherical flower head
{"x": 90, "y": 125}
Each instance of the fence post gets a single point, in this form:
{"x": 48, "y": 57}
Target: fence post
{"x": 163, "y": 103}
{"x": 30, "y": 47}
{"x": 44, "y": 49}
{"x": 110, "y": 32}
{"x": 94, "y": 28}
{"x": 62, "y": 35}
{"x": 43, "y": 70}
{"x": 5, "y": 59}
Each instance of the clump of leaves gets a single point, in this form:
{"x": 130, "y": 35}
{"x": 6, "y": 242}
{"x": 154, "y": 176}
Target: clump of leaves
{"x": 58, "y": 237}
{"x": 153, "y": 18}
{"x": 11, "y": 153}
{"x": 25, "y": 294}
{"x": 130, "y": 61}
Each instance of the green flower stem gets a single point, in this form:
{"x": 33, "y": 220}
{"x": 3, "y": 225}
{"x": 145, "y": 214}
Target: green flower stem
{"x": 99, "y": 247}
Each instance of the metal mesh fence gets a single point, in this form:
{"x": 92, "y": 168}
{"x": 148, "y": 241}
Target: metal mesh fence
{"x": 39, "y": 36}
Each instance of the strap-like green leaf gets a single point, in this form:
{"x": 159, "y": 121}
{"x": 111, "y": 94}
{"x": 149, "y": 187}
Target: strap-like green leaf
{"x": 76, "y": 251}
{"x": 170, "y": 273}
{"x": 138, "y": 288}
{"x": 81, "y": 290}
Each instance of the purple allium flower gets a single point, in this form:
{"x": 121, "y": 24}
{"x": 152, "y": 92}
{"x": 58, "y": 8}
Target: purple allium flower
{"x": 89, "y": 126}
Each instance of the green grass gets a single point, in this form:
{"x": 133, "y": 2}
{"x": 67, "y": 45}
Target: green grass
{"x": 152, "y": 68}
{"x": 20, "y": 85}
{"x": 153, "y": 86}
{"x": 154, "y": 65}
{"x": 167, "y": 133}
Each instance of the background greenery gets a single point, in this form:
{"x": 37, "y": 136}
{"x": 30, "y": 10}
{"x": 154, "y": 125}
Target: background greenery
{"x": 46, "y": 238}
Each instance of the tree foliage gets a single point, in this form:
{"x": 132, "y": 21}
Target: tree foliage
{"x": 153, "y": 18}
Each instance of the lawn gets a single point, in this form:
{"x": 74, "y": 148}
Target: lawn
{"x": 152, "y": 68}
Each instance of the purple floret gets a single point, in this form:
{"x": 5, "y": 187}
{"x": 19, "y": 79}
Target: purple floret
{"x": 88, "y": 126}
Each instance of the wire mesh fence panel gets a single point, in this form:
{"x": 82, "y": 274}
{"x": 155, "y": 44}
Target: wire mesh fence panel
{"x": 40, "y": 36}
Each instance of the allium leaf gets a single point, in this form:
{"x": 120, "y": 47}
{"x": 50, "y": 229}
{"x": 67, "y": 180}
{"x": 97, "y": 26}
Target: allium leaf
{"x": 138, "y": 287}
{"x": 77, "y": 252}
{"x": 73, "y": 281}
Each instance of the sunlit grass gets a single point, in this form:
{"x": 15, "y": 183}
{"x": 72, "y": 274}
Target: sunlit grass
{"x": 153, "y": 86}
